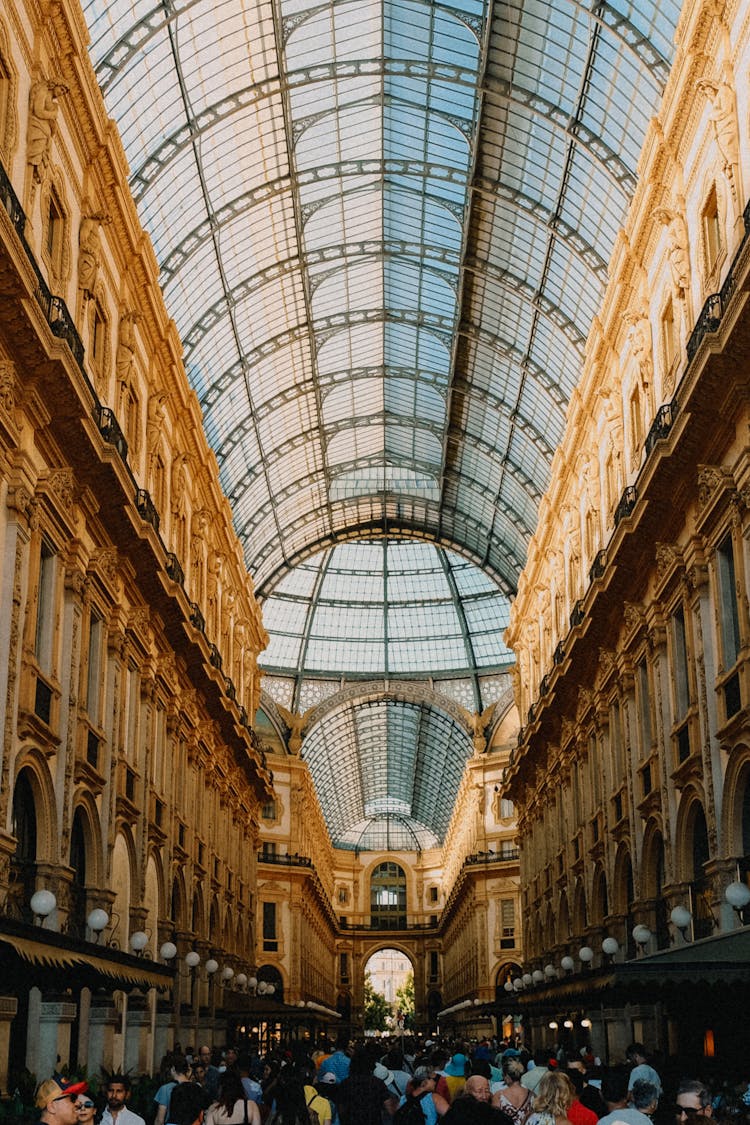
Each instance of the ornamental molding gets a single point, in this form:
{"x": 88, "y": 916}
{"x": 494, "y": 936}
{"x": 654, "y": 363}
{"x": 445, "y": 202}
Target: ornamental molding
{"x": 633, "y": 616}
{"x": 712, "y": 480}
{"x": 667, "y": 557}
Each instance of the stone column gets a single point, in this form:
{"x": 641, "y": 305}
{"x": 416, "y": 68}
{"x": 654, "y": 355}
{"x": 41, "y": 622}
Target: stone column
{"x": 163, "y": 1030}
{"x": 84, "y": 1014}
{"x": 55, "y": 1017}
{"x": 137, "y": 1034}
{"x": 8, "y": 1009}
{"x": 102, "y": 1020}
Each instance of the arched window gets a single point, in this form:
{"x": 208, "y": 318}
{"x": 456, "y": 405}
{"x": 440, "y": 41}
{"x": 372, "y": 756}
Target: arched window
{"x": 702, "y": 918}
{"x": 388, "y": 897}
{"x": 23, "y": 863}
{"x": 77, "y": 914}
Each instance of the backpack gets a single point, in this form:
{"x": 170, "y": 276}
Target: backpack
{"x": 313, "y": 1113}
{"x": 410, "y": 1113}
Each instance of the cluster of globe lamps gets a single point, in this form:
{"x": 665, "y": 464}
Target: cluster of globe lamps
{"x": 736, "y": 894}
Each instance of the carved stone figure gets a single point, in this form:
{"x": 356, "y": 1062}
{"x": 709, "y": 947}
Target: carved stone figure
{"x": 125, "y": 356}
{"x": 639, "y": 337}
{"x": 43, "y": 109}
{"x": 89, "y": 251}
{"x": 723, "y": 120}
{"x": 156, "y": 410}
{"x": 677, "y": 248}
{"x": 7, "y": 387}
{"x": 179, "y": 483}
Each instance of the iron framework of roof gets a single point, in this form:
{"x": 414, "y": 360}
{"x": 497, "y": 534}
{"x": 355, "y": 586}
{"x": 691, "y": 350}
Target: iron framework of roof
{"x": 383, "y": 228}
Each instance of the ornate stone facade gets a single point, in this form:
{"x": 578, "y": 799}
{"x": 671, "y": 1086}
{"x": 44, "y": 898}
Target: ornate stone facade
{"x": 632, "y": 770}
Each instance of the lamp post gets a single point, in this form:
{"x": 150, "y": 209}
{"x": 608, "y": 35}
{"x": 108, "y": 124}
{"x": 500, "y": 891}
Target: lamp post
{"x": 641, "y": 936}
{"x": 610, "y": 948}
{"x": 97, "y": 921}
{"x": 681, "y": 919}
{"x": 738, "y": 896}
{"x": 138, "y": 942}
{"x": 42, "y": 904}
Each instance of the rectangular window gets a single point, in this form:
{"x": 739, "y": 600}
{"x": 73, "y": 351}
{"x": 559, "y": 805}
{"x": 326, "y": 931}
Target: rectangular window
{"x": 55, "y": 234}
{"x": 268, "y": 811}
{"x": 45, "y": 615}
{"x": 132, "y": 711}
{"x": 434, "y": 965}
{"x": 595, "y": 770}
{"x": 643, "y": 706}
{"x": 507, "y": 809}
{"x": 680, "y": 666}
{"x": 270, "y": 940}
{"x": 575, "y": 781}
{"x": 94, "y": 670}
{"x": 711, "y": 224}
{"x": 729, "y": 618}
{"x": 344, "y": 967}
{"x": 98, "y": 336}
{"x": 615, "y": 742}
{"x": 268, "y": 848}
{"x": 507, "y": 923}
{"x": 433, "y": 894}
{"x": 668, "y": 337}
{"x": 5, "y": 101}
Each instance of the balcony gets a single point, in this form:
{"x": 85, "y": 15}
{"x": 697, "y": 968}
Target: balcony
{"x": 146, "y": 508}
{"x": 11, "y": 203}
{"x": 507, "y": 855}
{"x": 598, "y": 566}
{"x": 660, "y": 426}
{"x": 708, "y": 321}
{"x": 110, "y": 430}
{"x": 214, "y": 657}
{"x": 284, "y": 860}
{"x": 61, "y": 323}
{"x": 173, "y": 569}
{"x": 380, "y": 925}
{"x": 626, "y": 504}
{"x": 577, "y": 615}
{"x": 559, "y": 654}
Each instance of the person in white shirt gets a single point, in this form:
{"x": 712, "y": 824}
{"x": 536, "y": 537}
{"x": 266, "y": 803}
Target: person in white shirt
{"x": 116, "y": 1111}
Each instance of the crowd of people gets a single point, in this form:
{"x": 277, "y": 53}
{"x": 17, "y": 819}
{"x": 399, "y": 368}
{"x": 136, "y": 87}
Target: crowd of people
{"x": 403, "y": 1082}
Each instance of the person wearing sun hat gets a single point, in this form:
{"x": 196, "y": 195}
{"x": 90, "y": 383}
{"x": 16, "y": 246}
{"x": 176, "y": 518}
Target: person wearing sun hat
{"x": 453, "y": 1078}
{"x": 56, "y": 1097}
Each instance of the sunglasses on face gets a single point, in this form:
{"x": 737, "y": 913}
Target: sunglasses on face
{"x": 67, "y": 1098}
{"x": 688, "y": 1110}
{"x": 85, "y": 1105}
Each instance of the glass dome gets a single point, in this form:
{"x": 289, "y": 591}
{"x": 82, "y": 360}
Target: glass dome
{"x": 397, "y": 609}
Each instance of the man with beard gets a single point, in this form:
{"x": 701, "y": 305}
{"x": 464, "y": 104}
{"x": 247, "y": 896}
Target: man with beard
{"x": 116, "y": 1111}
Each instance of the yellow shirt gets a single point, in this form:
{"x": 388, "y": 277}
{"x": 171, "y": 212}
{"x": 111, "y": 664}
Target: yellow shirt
{"x": 321, "y": 1105}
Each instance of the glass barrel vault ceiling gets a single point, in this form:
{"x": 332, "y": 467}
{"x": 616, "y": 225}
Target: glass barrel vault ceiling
{"x": 383, "y": 229}
{"x": 399, "y": 800}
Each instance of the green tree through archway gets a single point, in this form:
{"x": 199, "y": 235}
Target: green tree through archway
{"x": 377, "y": 1008}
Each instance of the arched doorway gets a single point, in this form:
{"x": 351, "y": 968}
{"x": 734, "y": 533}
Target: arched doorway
{"x": 269, "y": 974}
{"x": 389, "y": 991}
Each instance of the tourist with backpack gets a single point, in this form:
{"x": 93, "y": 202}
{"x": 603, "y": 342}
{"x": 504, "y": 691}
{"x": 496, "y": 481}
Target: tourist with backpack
{"x": 421, "y": 1105}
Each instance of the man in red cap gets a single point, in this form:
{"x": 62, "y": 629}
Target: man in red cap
{"x": 56, "y": 1098}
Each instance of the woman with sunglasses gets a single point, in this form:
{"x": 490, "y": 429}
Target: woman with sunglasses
{"x": 86, "y": 1110}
